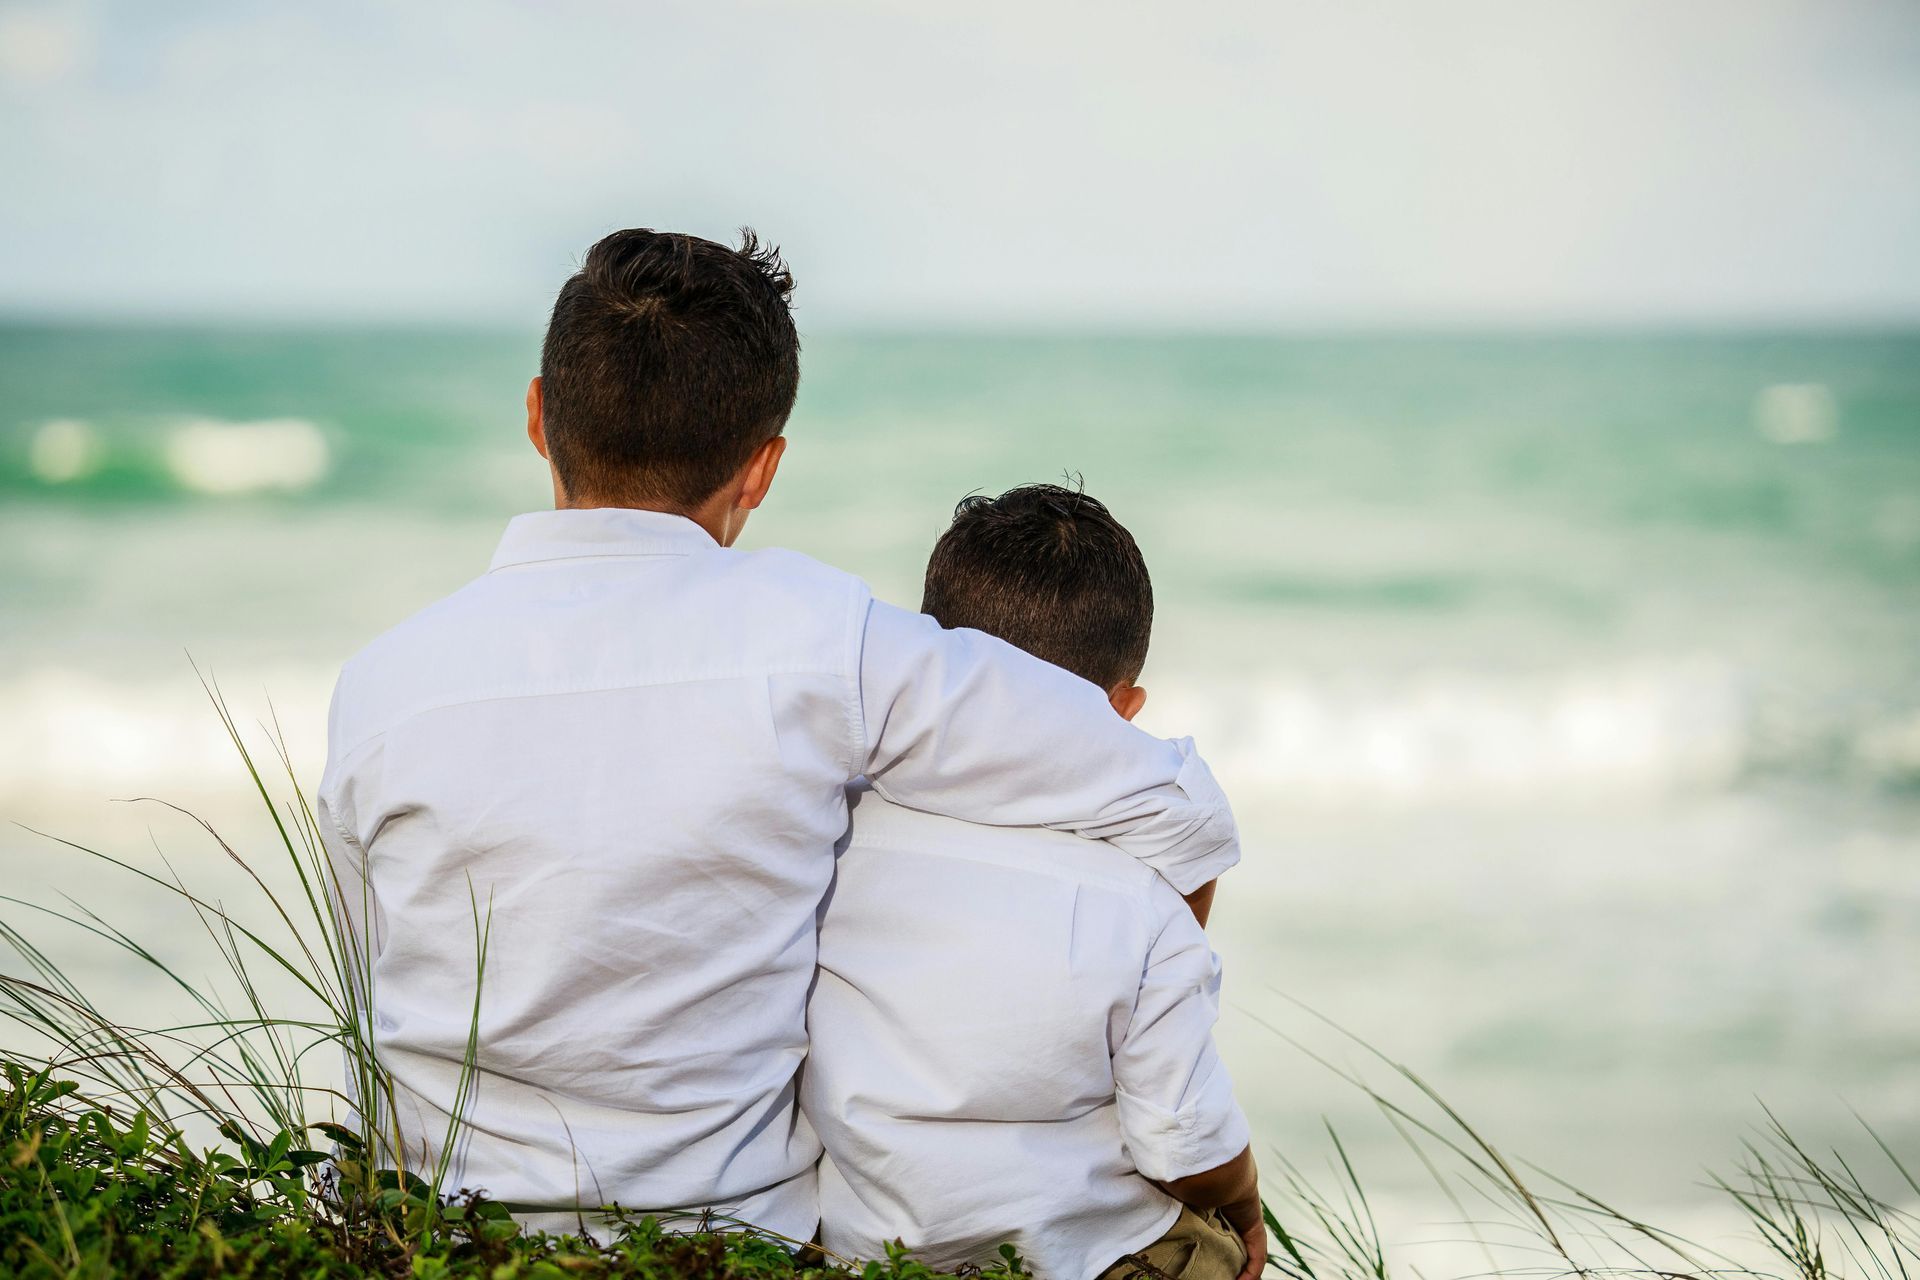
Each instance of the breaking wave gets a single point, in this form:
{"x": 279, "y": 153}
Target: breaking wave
{"x": 170, "y": 456}
{"x": 286, "y": 454}
{"x": 1645, "y": 731}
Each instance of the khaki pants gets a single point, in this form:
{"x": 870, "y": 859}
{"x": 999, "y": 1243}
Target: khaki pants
{"x": 1194, "y": 1248}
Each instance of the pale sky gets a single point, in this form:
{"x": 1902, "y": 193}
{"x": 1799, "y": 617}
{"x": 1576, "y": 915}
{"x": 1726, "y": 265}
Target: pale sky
{"x": 1275, "y": 163}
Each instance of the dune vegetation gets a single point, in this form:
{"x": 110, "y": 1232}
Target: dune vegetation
{"x": 226, "y": 1146}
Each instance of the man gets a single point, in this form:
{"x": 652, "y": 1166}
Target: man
{"x": 1012, "y": 1029}
{"x": 629, "y": 745}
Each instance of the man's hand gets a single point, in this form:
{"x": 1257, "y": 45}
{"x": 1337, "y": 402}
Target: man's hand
{"x": 1234, "y": 1189}
{"x": 1247, "y": 1220}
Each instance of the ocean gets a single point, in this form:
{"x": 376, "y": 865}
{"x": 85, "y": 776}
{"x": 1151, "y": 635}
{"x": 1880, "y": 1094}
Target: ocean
{"x": 1567, "y": 686}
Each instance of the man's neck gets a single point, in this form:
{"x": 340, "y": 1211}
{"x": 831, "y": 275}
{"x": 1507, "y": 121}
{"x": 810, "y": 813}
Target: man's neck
{"x": 713, "y": 515}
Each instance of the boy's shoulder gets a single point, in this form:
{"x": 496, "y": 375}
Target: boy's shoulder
{"x": 882, "y": 827}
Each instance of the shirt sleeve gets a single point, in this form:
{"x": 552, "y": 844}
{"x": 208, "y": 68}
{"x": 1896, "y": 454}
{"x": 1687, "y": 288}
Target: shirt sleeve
{"x": 963, "y": 724}
{"x": 357, "y": 914}
{"x": 1178, "y": 1115}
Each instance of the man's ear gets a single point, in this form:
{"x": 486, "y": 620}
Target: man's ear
{"x": 537, "y": 433}
{"x": 536, "y": 418}
{"x": 757, "y": 476}
{"x": 1127, "y": 698}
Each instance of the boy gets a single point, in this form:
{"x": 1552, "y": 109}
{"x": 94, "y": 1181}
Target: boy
{"x": 1012, "y": 1029}
{"x": 629, "y": 744}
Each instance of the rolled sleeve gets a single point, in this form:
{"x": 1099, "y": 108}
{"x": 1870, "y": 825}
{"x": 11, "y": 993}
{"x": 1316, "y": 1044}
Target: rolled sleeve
{"x": 1206, "y": 1132}
{"x": 963, "y": 724}
{"x": 1177, "y": 1111}
{"x": 1200, "y": 860}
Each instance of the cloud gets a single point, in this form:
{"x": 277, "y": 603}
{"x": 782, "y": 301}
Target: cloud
{"x": 41, "y": 46}
{"x": 1291, "y": 162}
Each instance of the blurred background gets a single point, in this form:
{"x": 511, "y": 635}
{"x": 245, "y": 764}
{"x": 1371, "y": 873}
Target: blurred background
{"x": 1518, "y": 404}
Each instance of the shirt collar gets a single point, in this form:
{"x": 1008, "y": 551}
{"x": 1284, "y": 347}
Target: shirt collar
{"x": 598, "y": 531}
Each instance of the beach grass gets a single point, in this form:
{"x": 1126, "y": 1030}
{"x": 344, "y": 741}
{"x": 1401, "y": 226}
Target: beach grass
{"x": 212, "y": 1147}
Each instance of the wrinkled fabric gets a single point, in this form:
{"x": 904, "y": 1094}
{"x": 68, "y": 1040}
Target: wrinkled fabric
{"x": 620, "y": 756}
{"x": 1012, "y": 1032}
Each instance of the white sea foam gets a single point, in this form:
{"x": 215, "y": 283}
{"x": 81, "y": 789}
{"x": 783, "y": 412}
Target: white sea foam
{"x": 1797, "y": 413}
{"x": 1645, "y": 729}
{"x": 74, "y": 735}
{"x": 64, "y": 449}
{"x": 1892, "y": 748}
{"x": 215, "y": 457}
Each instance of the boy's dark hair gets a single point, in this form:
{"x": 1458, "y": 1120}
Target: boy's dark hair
{"x": 668, "y": 361}
{"x": 1051, "y": 571}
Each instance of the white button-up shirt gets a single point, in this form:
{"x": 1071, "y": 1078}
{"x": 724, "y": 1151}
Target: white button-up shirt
{"x": 630, "y": 746}
{"x": 1012, "y": 1031}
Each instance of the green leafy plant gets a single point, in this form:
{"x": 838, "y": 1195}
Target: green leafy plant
{"x": 206, "y": 1148}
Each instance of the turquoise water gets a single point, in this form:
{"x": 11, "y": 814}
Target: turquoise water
{"x": 1568, "y": 687}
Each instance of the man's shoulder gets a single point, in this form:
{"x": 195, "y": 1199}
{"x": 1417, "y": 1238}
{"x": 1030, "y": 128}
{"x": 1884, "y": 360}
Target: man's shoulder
{"x": 794, "y": 575}
{"x": 425, "y": 627}
{"x": 796, "y": 565}
{"x": 879, "y": 826}
{"x": 777, "y": 607}
{"x": 369, "y": 677}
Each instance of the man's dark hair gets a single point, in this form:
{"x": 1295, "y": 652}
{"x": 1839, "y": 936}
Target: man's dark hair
{"x": 1051, "y": 571}
{"x": 668, "y": 361}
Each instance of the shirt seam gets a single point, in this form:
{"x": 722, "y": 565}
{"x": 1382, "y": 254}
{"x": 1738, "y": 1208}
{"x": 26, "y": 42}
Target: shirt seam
{"x": 352, "y": 840}
{"x": 1161, "y": 924}
{"x": 859, "y": 618}
{"x": 567, "y": 691}
{"x": 529, "y": 561}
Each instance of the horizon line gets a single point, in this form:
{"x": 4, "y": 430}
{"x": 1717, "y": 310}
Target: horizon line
{"x": 1885, "y": 324}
